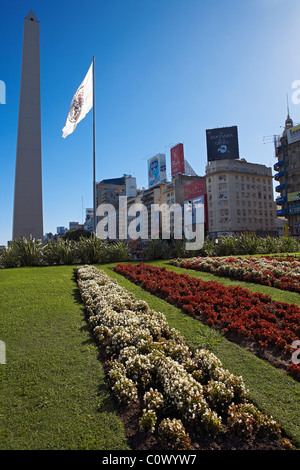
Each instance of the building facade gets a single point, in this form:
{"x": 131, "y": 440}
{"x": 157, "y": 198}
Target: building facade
{"x": 109, "y": 192}
{"x": 239, "y": 198}
{"x": 177, "y": 193}
{"x": 288, "y": 177}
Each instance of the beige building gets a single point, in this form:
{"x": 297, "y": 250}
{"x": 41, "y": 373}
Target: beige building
{"x": 108, "y": 192}
{"x": 239, "y": 198}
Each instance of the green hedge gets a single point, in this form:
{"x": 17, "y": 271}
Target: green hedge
{"x": 23, "y": 252}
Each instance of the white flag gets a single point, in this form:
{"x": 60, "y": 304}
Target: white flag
{"x": 81, "y": 104}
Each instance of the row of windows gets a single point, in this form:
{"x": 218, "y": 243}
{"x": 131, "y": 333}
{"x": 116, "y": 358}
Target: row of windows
{"x": 243, "y": 187}
{"x": 245, "y": 203}
{"x": 259, "y": 195}
{"x": 243, "y": 178}
{"x": 247, "y": 221}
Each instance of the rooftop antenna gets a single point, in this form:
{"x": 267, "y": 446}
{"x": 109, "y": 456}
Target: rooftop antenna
{"x": 272, "y": 138}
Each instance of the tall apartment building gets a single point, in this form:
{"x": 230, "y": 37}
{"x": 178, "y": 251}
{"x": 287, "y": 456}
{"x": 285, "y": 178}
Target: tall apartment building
{"x": 108, "y": 191}
{"x": 288, "y": 176}
{"x": 239, "y": 197}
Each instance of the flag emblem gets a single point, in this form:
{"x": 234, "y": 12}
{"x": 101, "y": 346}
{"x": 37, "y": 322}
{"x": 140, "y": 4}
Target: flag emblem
{"x": 81, "y": 103}
{"x": 76, "y": 105}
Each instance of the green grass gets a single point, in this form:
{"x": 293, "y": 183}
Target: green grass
{"x": 295, "y": 254}
{"x": 53, "y": 390}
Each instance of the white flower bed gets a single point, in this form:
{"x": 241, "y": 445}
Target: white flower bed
{"x": 151, "y": 362}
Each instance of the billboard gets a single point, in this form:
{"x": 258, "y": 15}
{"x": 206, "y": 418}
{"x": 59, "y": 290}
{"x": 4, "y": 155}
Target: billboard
{"x": 293, "y": 196}
{"x": 222, "y": 143}
{"x": 157, "y": 171}
{"x": 177, "y": 160}
{"x": 293, "y": 134}
{"x": 194, "y": 189}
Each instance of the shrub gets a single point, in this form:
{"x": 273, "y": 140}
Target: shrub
{"x": 148, "y": 420}
{"x": 125, "y": 390}
{"x": 173, "y": 434}
{"x": 66, "y": 251}
{"x": 156, "y": 249}
{"x": 92, "y": 250}
{"x": 9, "y": 258}
{"x": 153, "y": 400}
{"x": 246, "y": 420}
{"x": 118, "y": 251}
{"x": 28, "y": 252}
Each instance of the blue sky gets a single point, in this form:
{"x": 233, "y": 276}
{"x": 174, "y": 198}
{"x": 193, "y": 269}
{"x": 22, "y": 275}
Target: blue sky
{"x": 166, "y": 70}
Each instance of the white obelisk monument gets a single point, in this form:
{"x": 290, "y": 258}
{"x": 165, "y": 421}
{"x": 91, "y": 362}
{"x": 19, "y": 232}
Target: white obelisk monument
{"x": 28, "y": 200}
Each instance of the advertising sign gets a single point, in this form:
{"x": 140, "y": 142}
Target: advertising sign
{"x": 157, "y": 171}
{"x": 293, "y": 196}
{"x": 177, "y": 160}
{"x": 293, "y": 134}
{"x": 294, "y": 210}
{"x": 194, "y": 189}
{"x": 222, "y": 143}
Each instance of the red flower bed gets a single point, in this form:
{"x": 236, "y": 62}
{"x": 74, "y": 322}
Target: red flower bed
{"x": 233, "y": 310}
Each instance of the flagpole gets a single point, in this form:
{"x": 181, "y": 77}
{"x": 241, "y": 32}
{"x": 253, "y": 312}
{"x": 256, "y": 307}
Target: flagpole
{"x": 94, "y": 152}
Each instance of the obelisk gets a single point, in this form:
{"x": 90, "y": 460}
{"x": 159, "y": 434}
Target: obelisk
{"x": 28, "y": 199}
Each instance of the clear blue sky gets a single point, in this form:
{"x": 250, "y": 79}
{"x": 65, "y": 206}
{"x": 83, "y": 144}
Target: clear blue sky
{"x": 166, "y": 70}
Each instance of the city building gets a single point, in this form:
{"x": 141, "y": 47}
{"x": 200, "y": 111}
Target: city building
{"x": 149, "y": 197}
{"x": 89, "y": 218}
{"x": 288, "y": 176}
{"x": 108, "y": 191}
{"x": 73, "y": 225}
{"x": 184, "y": 189}
{"x": 239, "y": 197}
{"x": 61, "y": 230}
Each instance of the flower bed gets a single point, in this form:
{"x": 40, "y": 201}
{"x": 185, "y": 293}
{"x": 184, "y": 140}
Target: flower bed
{"x": 237, "y": 312}
{"x": 184, "y": 399}
{"x": 283, "y": 273}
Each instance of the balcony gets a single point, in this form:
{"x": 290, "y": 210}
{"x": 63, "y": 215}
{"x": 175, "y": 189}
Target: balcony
{"x": 281, "y": 212}
{"x": 279, "y": 188}
{"x": 281, "y": 200}
{"x": 278, "y": 175}
{"x": 277, "y": 165}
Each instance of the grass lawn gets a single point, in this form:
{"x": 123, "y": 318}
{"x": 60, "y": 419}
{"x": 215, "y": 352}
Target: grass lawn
{"x": 53, "y": 390}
